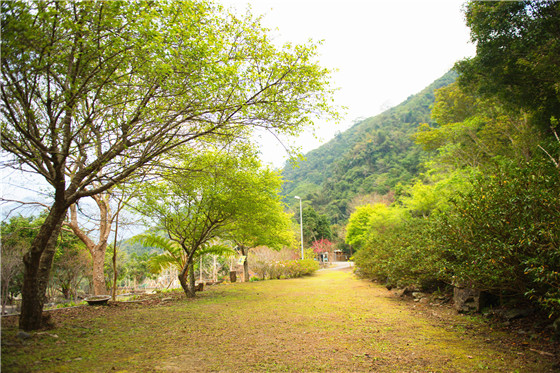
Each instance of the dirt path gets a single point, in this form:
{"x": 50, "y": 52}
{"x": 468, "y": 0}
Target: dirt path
{"x": 330, "y": 322}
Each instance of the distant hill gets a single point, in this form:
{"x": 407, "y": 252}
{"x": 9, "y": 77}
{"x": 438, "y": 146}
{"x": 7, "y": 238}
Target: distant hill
{"x": 372, "y": 156}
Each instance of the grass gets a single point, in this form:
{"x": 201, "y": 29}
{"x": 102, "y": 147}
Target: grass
{"x": 329, "y": 322}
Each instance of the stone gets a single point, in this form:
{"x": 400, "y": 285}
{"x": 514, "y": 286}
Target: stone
{"x": 517, "y": 313}
{"x": 417, "y": 295}
{"x": 23, "y": 335}
{"x": 466, "y": 300}
{"x": 424, "y": 301}
{"x": 409, "y": 290}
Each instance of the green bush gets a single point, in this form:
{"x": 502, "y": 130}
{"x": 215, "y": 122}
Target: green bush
{"x": 499, "y": 233}
{"x": 272, "y": 264}
{"x": 398, "y": 255}
{"x": 504, "y": 235}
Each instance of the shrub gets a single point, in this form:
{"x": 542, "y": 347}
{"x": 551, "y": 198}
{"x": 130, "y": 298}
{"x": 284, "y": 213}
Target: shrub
{"x": 503, "y": 236}
{"x": 272, "y": 264}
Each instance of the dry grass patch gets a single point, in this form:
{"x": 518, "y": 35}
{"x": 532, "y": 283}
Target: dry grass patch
{"x": 330, "y": 322}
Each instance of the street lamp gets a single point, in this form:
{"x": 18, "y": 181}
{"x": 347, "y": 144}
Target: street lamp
{"x": 300, "y": 224}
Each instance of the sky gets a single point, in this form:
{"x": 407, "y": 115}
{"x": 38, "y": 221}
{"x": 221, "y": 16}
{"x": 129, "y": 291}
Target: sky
{"x": 383, "y": 51}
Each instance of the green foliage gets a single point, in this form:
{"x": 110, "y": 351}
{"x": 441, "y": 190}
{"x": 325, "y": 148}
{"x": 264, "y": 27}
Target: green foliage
{"x": 517, "y": 45}
{"x": 397, "y": 255}
{"x": 173, "y": 254}
{"x": 503, "y": 235}
{"x": 370, "y": 220}
{"x": 94, "y": 93}
{"x": 271, "y": 264}
{"x": 17, "y": 235}
{"x": 471, "y": 131}
{"x": 259, "y": 218}
{"x": 72, "y": 264}
{"x": 315, "y": 226}
{"x": 373, "y": 156}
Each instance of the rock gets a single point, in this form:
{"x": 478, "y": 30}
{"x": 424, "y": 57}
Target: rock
{"x": 467, "y": 300}
{"x": 409, "y": 290}
{"x": 23, "y": 335}
{"x": 417, "y": 295}
{"x": 517, "y": 313}
{"x": 167, "y": 299}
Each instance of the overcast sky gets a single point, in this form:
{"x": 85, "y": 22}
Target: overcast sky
{"x": 384, "y": 51}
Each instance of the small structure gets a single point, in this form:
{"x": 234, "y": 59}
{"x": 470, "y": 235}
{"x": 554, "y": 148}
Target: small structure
{"x": 98, "y": 300}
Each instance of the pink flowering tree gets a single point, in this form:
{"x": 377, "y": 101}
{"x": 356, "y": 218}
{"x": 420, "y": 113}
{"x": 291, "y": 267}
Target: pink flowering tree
{"x": 322, "y": 246}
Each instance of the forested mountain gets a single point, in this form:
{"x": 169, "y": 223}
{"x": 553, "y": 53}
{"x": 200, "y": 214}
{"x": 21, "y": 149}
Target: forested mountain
{"x": 371, "y": 157}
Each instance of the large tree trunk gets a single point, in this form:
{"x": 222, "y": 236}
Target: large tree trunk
{"x": 38, "y": 263}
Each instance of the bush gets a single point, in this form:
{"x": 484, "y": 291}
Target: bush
{"x": 503, "y": 236}
{"x": 398, "y": 255}
{"x": 272, "y": 264}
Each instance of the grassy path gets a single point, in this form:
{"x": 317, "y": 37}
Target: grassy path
{"x": 329, "y": 322}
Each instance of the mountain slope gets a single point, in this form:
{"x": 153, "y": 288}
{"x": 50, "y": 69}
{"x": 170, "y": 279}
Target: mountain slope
{"x": 371, "y": 157}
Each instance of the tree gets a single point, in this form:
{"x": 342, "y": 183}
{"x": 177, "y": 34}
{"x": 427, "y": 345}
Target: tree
{"x": 322, "y": 246}
{"x": 472, "y": 130}
{"x": 502, "y": 235}
{"x": 260, "y": 219}
{"x": 358, "y": 225}
{"x": 16, "y": 235}
{"x": 194, "y": 213}
{"x": 71, "y": 264}
{"x": 96, "y": 249}
{"x": 517, "y": 48}
{"x": 315, "y": 226}
{"x": 173, "y": 254}
{"x": 94, "y": 91}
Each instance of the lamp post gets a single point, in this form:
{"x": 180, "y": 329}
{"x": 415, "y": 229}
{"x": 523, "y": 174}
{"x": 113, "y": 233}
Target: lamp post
{"x": 300, "y": 224}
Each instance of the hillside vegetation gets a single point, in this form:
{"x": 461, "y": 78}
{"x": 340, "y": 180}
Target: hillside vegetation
{"x": 372, "y": 157}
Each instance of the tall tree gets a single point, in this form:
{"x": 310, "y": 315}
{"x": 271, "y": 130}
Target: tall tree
{"x": 315, "y": 226}
{"x": 93, "y": 91}
{"x": 517, "y": 49}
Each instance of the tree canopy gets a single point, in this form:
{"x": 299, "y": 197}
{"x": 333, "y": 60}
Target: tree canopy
{"x": 95, "y": 91}
{"x": 517, "y": 48}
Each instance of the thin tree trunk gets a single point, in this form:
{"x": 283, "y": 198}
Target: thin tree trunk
{"x": 115, "y": 257}
{"x": 215, "y": 271}
{"x": 183, "y": 279}
{"x": 245, "y": 253}
{"x": 37, "y": 267}
{"x": 97, "y": 250}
